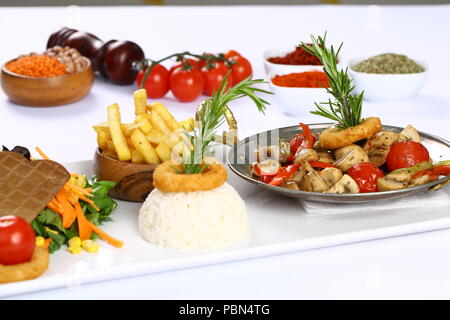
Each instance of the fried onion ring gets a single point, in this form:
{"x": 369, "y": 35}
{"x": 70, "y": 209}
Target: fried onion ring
{"x": 333, "y": 138}
{"x": 28, "y": 270}
{"x": 166, "y": 178}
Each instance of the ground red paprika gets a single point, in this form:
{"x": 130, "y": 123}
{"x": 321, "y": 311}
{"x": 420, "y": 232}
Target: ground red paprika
{"x": 308, "y": 79}
{"x": 299, "y": 57}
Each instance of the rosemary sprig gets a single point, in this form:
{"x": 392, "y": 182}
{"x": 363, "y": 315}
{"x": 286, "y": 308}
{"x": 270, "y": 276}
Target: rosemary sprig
{"x": 346, "y": 108}
{"x": 212, "y": 116}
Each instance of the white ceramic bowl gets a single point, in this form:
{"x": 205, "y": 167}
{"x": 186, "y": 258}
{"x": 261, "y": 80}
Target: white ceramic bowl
{"x": 288, "y": 68}
{"x": 297, "y": 101}
{"x": 387, "y": 87}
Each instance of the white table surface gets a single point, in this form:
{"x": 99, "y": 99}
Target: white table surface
{"x": 414, "y": 266}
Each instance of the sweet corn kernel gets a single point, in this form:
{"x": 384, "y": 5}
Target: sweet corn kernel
{"x": 40, "y": 241}
{"x": 81, "y": 181}
{"x": 74, "y": 249}
{"x": 75, "y": 241}
{"x": 89, "y": 246}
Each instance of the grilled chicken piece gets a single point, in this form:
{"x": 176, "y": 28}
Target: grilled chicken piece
{"x": 411, "y": 133}
{"x": 305, "y": 155}
{"x": 331, "y": 176}
{"x": 345, "y": 185}
{"x": 378, "y": 146}
{"x": 348, "y": 156}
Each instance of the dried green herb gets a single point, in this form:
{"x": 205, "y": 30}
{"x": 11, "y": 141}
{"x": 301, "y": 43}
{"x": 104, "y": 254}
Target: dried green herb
{"x": 389, "y": 63}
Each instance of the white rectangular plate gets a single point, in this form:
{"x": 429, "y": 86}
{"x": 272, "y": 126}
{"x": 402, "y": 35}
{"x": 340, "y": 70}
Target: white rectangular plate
{"x": 279, "y": 225}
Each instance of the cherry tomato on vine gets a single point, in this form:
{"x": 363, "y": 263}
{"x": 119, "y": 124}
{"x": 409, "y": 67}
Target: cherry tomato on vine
{"x": 186, "y": 85}
{"x": 17, "y": 240}
{"x": 406, "y": 154}
{"x": 157, "y": 83}
{"x": 193, "y": 63}
{"x": 213, "y": 77}
{"x": 203, "y": 62}
{"x": 241, "y": 69}
{"x": 231, "y": 53}
{"x": 365, "y": 175}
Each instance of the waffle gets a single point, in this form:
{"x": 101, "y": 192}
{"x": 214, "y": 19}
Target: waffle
{"x": 27, "y": 186}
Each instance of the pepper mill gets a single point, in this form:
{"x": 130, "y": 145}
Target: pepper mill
{"x": 114, "y": 60}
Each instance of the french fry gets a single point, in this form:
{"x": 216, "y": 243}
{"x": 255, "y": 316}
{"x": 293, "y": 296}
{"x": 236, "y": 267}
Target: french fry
{"x": 163, "y": 151}
{"x": 102, "y": 126}
{"x": 159, "y": 124}
{"x": 120, "y": 144}
{"x": 188, "y": 124}
{"x": 140, "y": 101}
{"x": 165, "y": 115}
{"x": 129, "y": 129}
{"x": 136, "y": 157}
{"x": 157, "y": 137}
{"x": 144, "y": 147}
{"x": 102, "y": 138}
{"x": 110, "y": 146}
{"x": 144, "y": 124}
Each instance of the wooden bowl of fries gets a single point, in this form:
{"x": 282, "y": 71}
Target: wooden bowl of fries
{"x": 134, "y": 180}
{"x": 129, "y": 152}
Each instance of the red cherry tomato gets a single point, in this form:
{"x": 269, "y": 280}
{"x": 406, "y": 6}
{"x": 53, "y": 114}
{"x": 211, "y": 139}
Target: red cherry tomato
{"x": 157, "y": 83}
{"x": 203, "y": 63}
{"x": 231, "y": 53}
{"x": 213, "y": 77}
{"x": 186, "y": 85}
{"x": 241, "y": 69}
{"x": 17, "y": 240}
{"x": 193, "y": 63}
{"x": 366, "y": 175}
{"x": 406, "y": 154}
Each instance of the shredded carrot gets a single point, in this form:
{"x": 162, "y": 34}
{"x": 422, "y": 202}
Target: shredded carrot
{"x": 92, "y": 203}
{"x": 84, "y": 227}
{"x": 69, "y": 213}
{"x": 112, "y": 241}
{"x": 46, "y": 243}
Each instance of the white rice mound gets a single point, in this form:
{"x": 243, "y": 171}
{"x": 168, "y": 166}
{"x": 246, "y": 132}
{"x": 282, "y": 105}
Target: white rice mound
{"x": 194, "y": 220}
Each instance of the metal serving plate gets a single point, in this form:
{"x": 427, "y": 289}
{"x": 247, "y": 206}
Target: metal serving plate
{"x": 242, "y": 155}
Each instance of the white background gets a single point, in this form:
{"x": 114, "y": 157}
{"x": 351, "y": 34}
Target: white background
{"x": 413, "y": 266}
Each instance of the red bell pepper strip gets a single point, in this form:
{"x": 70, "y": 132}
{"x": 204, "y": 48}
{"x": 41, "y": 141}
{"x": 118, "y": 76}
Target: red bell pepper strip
{"x": 266, "y": 178}
{"x": 435, "y": 172}
{"x": 295, "y": 143}
{"x": 321, "y": 164}
{"x": 308, "y": 140}
{"x": 284, "y": 174}
{"x": 301, "y": 140}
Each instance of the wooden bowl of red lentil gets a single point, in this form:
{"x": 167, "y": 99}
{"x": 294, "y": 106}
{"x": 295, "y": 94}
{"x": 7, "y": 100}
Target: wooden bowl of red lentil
{"x": 48, "y": 87}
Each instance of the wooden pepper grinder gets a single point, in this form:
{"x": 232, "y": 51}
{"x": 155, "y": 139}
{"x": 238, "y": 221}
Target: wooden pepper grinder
{"x": 115, "y": 60}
